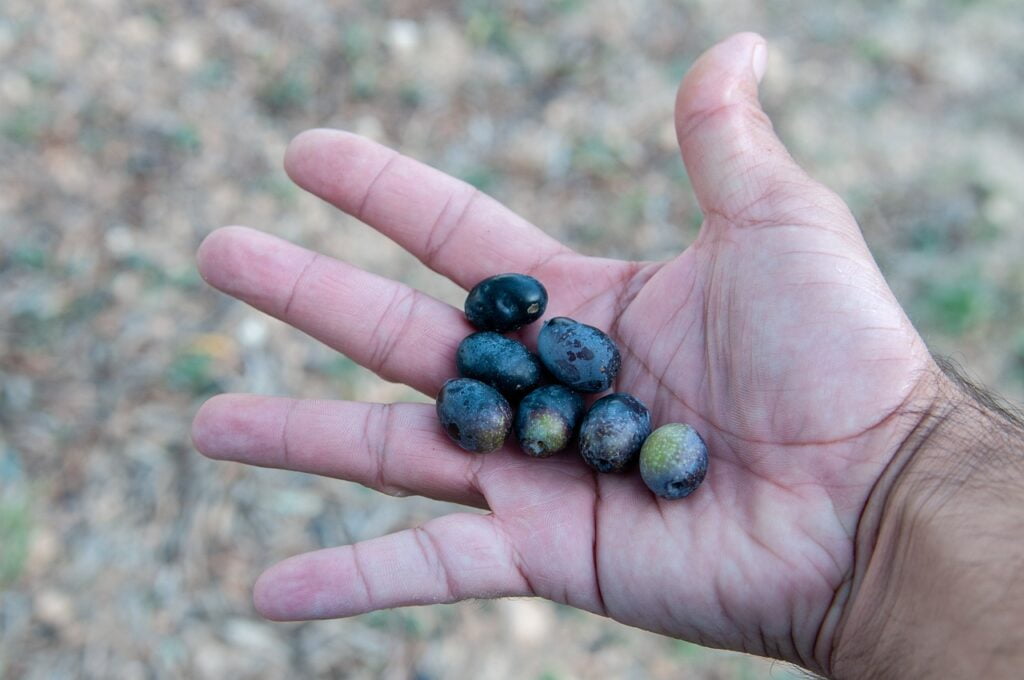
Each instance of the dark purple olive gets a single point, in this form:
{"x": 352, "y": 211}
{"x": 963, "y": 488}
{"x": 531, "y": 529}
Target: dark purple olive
{"x": 613, "y": 431}
{"x": 503, "y": 363}
{"x": 474, "y": 415}
{"x": 506, "y": 302}
{"x": 579, "y": 356}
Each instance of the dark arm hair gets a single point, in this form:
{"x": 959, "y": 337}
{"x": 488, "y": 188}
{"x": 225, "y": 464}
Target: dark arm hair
{"x": 938, "y": 583}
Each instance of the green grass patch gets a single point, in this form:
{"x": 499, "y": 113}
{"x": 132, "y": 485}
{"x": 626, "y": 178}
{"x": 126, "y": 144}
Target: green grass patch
{"x": 193, "y": 372}
{"x": 688, "y": 650}
{"x": 15, "y": 527}
{"x": 85, "y": 306}
{"x": 155, "y": 277}
{"x": 566, "y": 6}
{"x": 593, "y": 156}
{"x": 26, "y": 126}
{"x": 356, "y": 42}
{"x": 285, "y": 93}
{"x": 487, "y": 25}
{"x": 341, "y": 367}
{"x": 954, "y": 307}
{"x": 184, "y": 137}
{"x": 482, "y": 177}
{"x": 279, "y": 187}
{"x": 365, "y": 80}
{"x": 410, "y": 95}
{"x": 214, "y": 74}
{"x": 1017, "y": 357}
{"x": 27, "y": 257}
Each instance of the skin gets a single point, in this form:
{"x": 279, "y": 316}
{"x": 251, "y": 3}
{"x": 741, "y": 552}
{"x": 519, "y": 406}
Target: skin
{"x": 773, "y": 333}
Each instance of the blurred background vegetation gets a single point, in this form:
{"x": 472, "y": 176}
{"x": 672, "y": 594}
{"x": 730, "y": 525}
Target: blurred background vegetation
{"x": 129, "y": 130}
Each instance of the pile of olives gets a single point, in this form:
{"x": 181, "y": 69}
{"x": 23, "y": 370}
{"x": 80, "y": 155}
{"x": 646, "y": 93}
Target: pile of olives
{"x": 547, "y": 388}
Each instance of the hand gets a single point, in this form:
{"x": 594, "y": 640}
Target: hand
{"x": 774, "y": 334}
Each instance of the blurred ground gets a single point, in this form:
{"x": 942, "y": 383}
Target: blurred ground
{"x": 129, "y": 130}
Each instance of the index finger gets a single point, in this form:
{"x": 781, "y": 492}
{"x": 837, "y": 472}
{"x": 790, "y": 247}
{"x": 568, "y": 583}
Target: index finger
{"x": 451, "y": 226}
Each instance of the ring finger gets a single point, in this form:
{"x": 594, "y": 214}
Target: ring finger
{"x": 396, "y": 331}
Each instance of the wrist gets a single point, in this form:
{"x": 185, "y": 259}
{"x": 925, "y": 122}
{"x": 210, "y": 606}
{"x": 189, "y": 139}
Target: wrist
{"x": 935, "y": 589}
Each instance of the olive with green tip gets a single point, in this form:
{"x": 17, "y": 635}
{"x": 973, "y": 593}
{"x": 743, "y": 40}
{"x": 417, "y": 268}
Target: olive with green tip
{"x": 474, "y": 415}
{"x": 546, "y": 420}
{"x": 674, "y": 461}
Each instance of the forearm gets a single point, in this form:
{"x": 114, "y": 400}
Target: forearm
{"x": 938, "y": 586}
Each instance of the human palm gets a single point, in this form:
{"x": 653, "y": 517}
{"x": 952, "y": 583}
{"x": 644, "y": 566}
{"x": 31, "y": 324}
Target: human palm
{"x": 773, "y": 333}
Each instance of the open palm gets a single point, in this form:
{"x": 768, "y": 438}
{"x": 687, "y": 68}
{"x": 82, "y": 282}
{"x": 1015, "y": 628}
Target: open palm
{"x": 773, "y": 333}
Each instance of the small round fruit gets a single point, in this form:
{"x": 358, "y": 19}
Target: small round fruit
{"x": 474, "y": 415}
{"x": 546, "y": 420}
{"x": 613, "y": 431}
{"x": 579, "y": 356}
{"x": 673, "y": 461}
{"x": 503, "y": 363}
{"x": 506, "y": 302}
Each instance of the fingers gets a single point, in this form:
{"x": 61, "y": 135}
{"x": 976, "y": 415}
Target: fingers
{"x": 739, "y": 169}
{"x": 448, "y": 559}
{"x": 395, "y": 331}
{"x": 395, "y": 448}
{"x": 449, "y": 225}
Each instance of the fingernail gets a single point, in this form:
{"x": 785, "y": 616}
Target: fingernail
{"x": 759, "y": 61}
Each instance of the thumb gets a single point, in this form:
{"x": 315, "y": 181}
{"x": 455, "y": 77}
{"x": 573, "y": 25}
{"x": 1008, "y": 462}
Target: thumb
{"x": 739, "y": 169}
